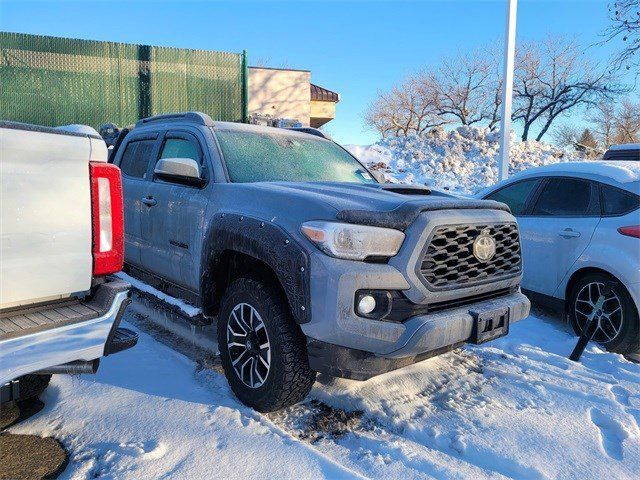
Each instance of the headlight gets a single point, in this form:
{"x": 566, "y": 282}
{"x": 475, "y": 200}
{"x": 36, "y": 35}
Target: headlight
{"x": 353, "y": 242}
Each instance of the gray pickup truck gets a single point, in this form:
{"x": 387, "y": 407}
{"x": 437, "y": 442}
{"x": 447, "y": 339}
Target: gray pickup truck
{"x": 308, "y": 263}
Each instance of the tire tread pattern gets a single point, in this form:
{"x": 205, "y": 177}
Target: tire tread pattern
{"x": 296, "y": 377}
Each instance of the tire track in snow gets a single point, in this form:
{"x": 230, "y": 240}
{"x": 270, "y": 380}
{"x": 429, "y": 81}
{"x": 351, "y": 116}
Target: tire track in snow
{"x": 208, "y": 371}
{"x": 439, "y": 452}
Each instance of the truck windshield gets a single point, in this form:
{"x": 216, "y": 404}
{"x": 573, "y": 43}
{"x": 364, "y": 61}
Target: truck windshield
{"x": 281, "y": 156}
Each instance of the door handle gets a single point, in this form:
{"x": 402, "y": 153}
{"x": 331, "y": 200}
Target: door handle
{"x": 569, "y": 233}
{"x": 149, "y": 201}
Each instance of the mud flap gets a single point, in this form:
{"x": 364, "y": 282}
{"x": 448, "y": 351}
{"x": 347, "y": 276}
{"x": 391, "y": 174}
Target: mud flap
{"x": 9, "y": 392}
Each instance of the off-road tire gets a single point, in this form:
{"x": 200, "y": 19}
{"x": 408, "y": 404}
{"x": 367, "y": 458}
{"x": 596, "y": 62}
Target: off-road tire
{"x": 31, "y": 386}
{"x": 289, "y": 379}
{"x": 628, "y": 340}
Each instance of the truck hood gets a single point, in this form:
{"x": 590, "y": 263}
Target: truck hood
{"x": 386, "y": 205}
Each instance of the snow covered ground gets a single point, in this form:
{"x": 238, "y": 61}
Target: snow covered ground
{"x": 463, "y": 159}
{"x": 515, "y": 408}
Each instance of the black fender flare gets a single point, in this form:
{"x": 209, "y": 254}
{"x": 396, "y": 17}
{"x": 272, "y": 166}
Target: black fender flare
{"x": 264, "y": 241}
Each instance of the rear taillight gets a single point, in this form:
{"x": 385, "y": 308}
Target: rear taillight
{"x": 632, "y": 231}
{"x": 107, "y": 218}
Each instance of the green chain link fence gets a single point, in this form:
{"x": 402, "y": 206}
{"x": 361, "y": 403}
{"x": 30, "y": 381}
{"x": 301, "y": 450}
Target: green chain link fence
{"x": 56, "y": 81}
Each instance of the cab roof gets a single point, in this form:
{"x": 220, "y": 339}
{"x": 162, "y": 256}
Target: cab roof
{"x": 202, "y": 119}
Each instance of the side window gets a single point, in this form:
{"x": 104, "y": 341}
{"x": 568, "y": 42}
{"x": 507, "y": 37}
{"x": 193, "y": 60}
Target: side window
{"x": 515, "y": 196}
{"x": 136, "y": 157}
{"x": 566, "y": 197}
{"x": 618, "y": 202}
{"x": 180, "y": 148}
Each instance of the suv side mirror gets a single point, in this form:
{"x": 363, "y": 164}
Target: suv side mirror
{"x": 180, "y": 169}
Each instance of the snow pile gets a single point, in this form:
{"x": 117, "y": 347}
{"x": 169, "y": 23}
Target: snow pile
{"x": 462, "y": 160}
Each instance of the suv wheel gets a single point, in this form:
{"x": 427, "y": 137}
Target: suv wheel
{"x": 617, "y": 315}
{"x": 262, "y": 349}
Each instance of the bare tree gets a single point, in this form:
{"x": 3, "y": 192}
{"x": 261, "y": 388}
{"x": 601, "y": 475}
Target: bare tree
{"x": 603, "y": 117}
{"x": 625, "y": 25}
{"x": 627, "y": 127}
{"x": 467, "y": 88}
{"x": 551, "y": 79}
{"x": 494, "y": 111}
{"x": 617, "y": 122}
{"x": 566, "y": 135}
{"x": 406, "y": 109}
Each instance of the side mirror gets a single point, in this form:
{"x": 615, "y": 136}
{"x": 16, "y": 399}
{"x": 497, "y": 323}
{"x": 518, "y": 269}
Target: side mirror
{"x": 180, "y": 169}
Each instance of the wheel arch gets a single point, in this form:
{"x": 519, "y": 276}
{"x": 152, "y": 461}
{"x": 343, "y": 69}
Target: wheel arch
{"x": 581, "y": 272}
{"x": 237, "y": 244}
{"x": 233, "y": 264}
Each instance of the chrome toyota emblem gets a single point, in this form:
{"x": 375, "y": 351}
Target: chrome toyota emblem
{"x": 484, "y": 247}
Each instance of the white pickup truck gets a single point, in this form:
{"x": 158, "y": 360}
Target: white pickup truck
{"x": 61, "y": 236}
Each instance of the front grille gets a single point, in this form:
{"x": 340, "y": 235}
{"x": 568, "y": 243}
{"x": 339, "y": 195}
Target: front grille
{"x": 449, "y": 261}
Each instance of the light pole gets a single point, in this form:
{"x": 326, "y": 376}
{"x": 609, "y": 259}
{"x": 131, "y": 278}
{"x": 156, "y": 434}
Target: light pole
{"x": 507, "y": 89}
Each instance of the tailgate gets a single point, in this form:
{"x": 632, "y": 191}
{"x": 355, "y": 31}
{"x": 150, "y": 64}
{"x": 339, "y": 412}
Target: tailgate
{"x": 45, "y": 207}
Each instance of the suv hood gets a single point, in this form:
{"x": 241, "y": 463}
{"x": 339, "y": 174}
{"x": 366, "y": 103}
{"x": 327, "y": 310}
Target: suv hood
{"x": 385, "y": 205}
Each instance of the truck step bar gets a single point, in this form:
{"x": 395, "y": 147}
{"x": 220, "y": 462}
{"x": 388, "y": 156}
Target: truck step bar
{"x": 122, "y": 339}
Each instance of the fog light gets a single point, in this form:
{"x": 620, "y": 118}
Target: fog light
{"x": 366, "y": 305}
{"x": 374, "y": 304}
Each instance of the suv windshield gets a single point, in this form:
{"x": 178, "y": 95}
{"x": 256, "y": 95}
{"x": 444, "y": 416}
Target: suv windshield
{"x": 282, "y": 156}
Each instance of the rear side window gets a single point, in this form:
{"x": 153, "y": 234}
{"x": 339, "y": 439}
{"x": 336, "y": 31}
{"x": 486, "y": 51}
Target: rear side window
{"x": 567, "y": 197}
{"x": 618, "y": 202}
{"x": 515, "y": 196}
{"x": 136, "y": 157}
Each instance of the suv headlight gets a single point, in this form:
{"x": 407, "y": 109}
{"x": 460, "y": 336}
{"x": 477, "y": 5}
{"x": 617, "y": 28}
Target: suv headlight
{"x": 353, "y": 242}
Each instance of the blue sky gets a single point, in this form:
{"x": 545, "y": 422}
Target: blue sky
{"x": 356, "y": 48}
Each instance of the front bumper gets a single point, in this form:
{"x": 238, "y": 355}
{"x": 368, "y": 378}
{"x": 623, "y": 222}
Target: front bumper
{"x": 84, "y": 334}
{"x": 334, "y": 283}
{"x": 423, "y": 336}
{"x": 429, "y": 332}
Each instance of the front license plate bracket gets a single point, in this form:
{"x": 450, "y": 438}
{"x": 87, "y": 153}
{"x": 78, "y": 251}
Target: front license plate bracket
{"x": 489, "y": 325}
